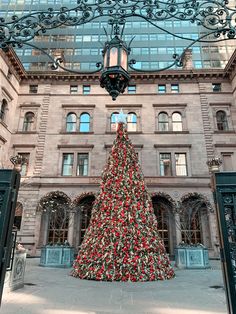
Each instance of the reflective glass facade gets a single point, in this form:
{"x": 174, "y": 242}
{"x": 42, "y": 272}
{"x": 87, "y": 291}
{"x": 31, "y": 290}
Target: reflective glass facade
{"x": 82, "y": 45}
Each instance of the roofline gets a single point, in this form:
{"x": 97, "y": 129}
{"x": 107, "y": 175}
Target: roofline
{"x": 13, "y": 61}
{"x": 173, "y": 74}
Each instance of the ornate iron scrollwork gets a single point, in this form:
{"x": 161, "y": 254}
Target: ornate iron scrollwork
{"x": 229, "y": 203}
{"x": 216, "y": 18}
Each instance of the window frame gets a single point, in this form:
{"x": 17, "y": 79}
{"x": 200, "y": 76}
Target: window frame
{"x": 169, "y": 110}
{"x": 177, "y": 122}
{"x": 71, "y": 122}
{"x": 186, "y": 164}
{"x": 86, "y": 89}
{"x": 78, "y": 111}
{"x": 26, "y": 162}
{"x": 28, "y": 125}
{"x": 81, "y": 123}
{"x": 174, "y": 88}
{"x": 3, "y": 110}
{"x": 173, "y": 151}
{"x": 162, "y": 174}
{"x": 128, "y": 109}
{"x": 74, "y": 151}
{"x": 132, "y": 123}
{"x": 224, "y": 122}
{"x": 216, "y": 87}
{"x": 73, "y": 89}
{"x": 33, "y": 89}
{"x": 226, "y": 107}
{"x": 131, "y": 89}
{"x": 78, "y": 166}
{"x": 232, "y": 157}
{"x": 159, "y": 123}
{"x": 160, "y": 90}
{"x": 63, "y": 164}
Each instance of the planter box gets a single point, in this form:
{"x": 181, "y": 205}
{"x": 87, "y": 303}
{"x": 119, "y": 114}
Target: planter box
{"x": 57, "y": 256}
{"x": 192, "y": 257}
{"x": 14, "y": 279}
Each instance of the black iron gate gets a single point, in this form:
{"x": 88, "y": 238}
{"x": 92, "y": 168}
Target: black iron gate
{"x": 9, "y": 186}
{"x": 225, "y": 185}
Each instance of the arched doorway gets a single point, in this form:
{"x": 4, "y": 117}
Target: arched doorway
{"x": 55, "y": 219}
{"x": 194, "y": 221}
{"x": 83, "y": 207}
{"x": 162, "y": 205}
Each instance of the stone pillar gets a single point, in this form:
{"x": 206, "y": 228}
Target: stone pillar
{"x": 71, "y": 227}
{"x": 178, "y": 229}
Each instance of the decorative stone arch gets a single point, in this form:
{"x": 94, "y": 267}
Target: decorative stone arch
{"x": 55, "y": 211}
{"x": 201, "y": 198}
{"x": 201, "y": 208}
{"x": 163, "y": 206}
{"x": 82, "y": 205}
{"x": 80, "y": 197}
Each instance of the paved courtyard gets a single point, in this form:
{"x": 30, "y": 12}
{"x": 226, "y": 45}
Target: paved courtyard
{"x": 53, "y": 291}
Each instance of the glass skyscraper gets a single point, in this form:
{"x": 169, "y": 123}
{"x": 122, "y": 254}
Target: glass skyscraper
{"x": 81, "y": 46}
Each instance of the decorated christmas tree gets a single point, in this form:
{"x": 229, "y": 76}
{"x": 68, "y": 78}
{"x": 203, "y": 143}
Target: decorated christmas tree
{"x": 122, "y": 241}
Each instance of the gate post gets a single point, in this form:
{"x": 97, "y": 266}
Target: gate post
{"x": 9, "y": 186}
{"x": 224, "y": 184}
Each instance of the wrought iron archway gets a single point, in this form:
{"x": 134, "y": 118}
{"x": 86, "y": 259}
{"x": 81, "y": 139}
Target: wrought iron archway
{"x": 216, "y": 19}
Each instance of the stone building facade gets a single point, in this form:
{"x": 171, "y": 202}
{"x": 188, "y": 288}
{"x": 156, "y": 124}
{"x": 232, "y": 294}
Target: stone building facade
{"x": 64, "y": 127}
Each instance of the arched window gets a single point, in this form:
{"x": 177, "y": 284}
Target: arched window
{"x": 84, "y": 210}
{"x": 114, "y": 121}
{"x": 163, "y": 122}
{"x": 18, "y": 216}
{"x": 84, "y": 125}
{"x": 28, "y": 121}
{"x": 221, "y": 119}
{"x": 55, "y": 207}
{"x": 193, "y": 218}
{"x": 3, "y": 110}
{"x": 132, "y": 122}
{"x": 162, "y": 208}
{"x": 177, "y": 124}
{"x": 71, "y": 122}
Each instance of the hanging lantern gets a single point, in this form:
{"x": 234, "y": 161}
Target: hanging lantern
{"x": 115, "y": 77}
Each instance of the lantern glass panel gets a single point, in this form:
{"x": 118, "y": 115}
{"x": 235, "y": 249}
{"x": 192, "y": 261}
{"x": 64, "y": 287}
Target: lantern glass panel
{"x": 113, "y": 57}
{"x": 124, "y": 60}
{"x": 105, "y": 61}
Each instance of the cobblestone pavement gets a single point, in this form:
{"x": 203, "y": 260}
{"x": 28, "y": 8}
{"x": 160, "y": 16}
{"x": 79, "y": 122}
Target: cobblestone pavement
{"x": 53, "y": 291}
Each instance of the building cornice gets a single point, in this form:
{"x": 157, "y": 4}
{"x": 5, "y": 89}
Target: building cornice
{"x": 226, "y": 145}
{"x": 16, "y": 67}
{"x": 134, "y": 145}
{"x": 123, "y": 105}
{"x": 170, "y": 75}
{"x": 170, "y": 105}
{"x": 23, "y": 145}
{"x": 172, "y": 145}
{"x": 87, "y": 146}
{"x": 78, "y": 106}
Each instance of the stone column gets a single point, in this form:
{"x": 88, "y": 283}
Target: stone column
{"x": 71, "y": 227}
{"x": 178, "y": 229}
